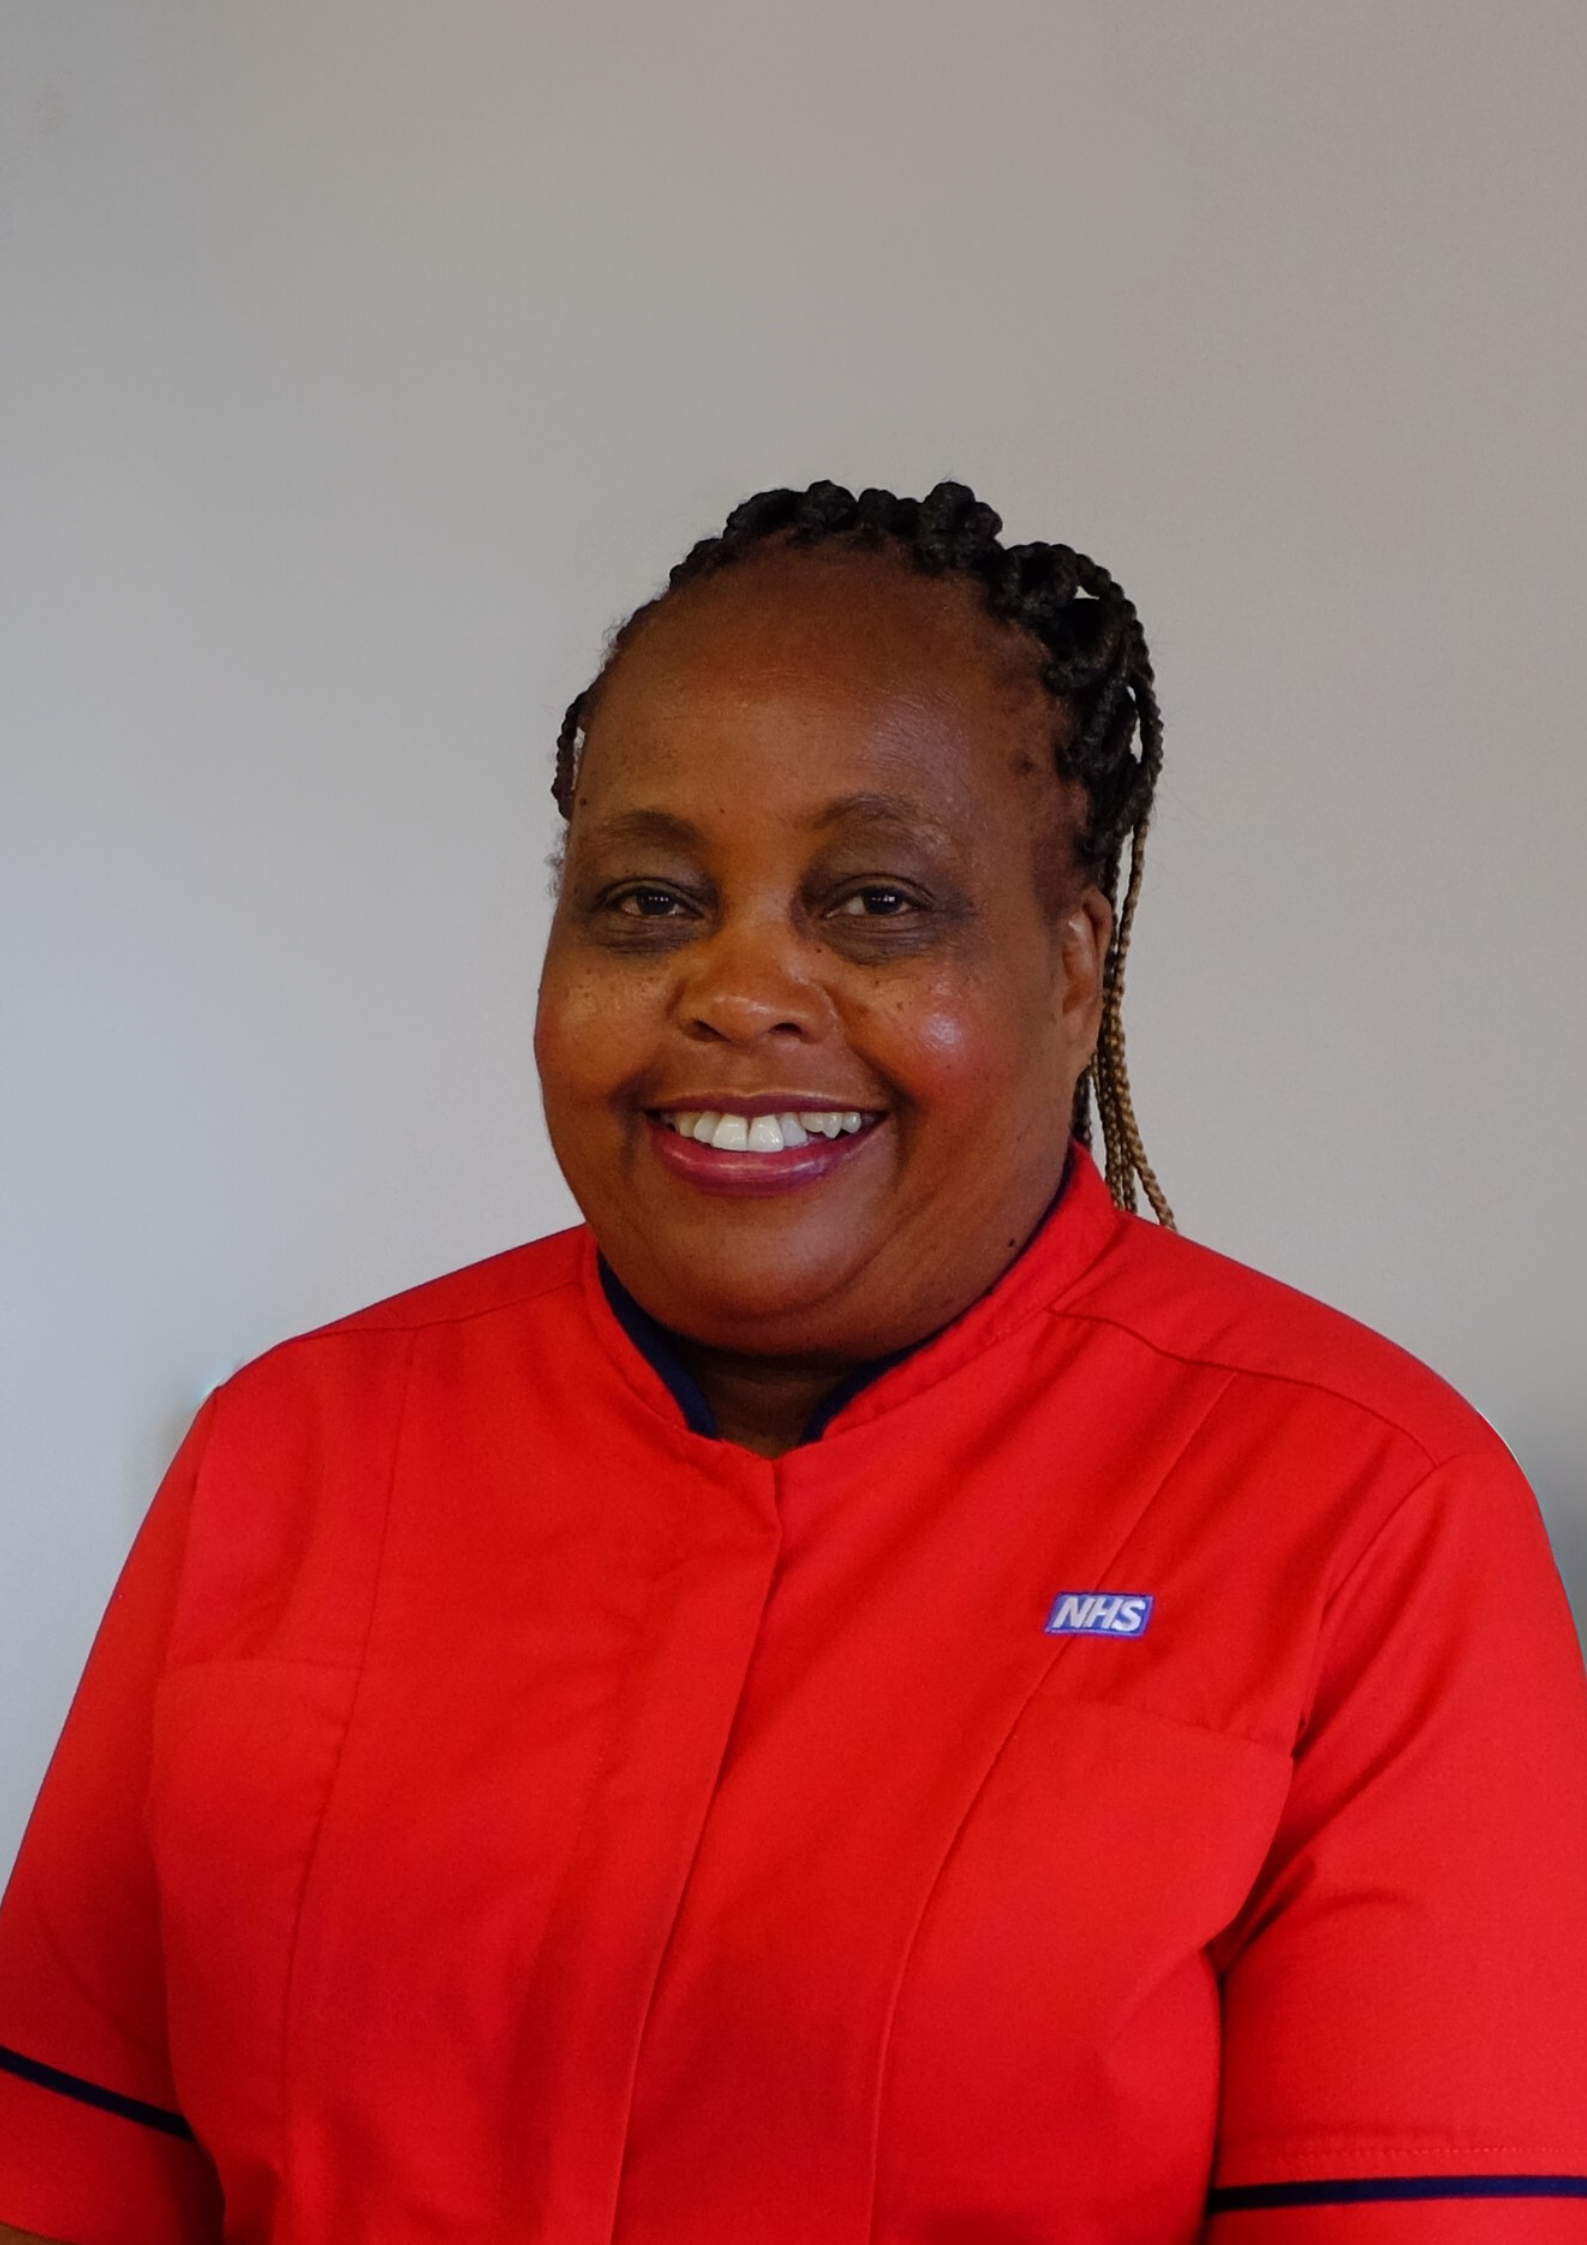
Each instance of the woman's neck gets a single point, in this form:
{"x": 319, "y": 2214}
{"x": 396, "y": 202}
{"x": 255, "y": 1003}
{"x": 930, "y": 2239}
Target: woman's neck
{"x": 763, "y": 1402}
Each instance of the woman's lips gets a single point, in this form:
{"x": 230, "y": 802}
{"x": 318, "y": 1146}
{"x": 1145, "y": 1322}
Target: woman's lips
{"x": 746, "y": 1174}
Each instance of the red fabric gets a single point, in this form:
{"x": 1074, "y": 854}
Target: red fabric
{"x": 494, "y": 1812}
{"x": 1520, "y": 2221}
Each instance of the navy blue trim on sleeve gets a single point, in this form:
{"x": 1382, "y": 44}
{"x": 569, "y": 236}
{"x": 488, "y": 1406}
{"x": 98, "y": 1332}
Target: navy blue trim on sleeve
{"x": 1375, "y": 2190}
{"x": 90, "y": 2093}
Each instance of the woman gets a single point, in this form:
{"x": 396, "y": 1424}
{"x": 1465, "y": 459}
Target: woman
{"x": 870, "y": 1694}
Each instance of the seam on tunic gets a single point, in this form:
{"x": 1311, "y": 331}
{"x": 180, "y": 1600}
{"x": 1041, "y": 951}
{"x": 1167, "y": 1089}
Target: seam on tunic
{"x": 367, "y": 1325}
{"x": 1272, "y": 1373}
{"x": 1061, "y": 1646}
{"x": 669, "y": 1943}
{"x": 363, "y": 1321}
{"x": 1295, "y": 2148}
{"x": 508, "y": 2178}
{"x": 289, "y": 1976}
{"x": 1173, "y": 1722}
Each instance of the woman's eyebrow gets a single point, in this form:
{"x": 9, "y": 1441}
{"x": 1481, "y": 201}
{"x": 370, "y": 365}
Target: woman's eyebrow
{"x": 885, "y": 810}
{"x": 647, "y": 826}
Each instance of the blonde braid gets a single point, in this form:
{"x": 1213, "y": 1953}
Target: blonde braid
{"x": 1121, "y": 1134}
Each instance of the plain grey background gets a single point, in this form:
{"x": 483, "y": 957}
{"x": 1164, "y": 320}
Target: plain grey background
{"x": 364, "y": 362}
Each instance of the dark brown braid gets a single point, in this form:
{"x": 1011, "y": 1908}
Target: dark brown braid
{"x": 1095, "y": 667}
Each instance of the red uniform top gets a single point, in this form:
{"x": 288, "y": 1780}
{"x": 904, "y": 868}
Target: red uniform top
{"x": 495, "y": 1810}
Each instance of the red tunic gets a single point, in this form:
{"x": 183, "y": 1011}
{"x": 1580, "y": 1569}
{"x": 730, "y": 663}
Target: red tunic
{"x": 494, "y": 1811}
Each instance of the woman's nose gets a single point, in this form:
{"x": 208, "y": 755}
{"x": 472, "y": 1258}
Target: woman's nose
{"x": 746, "y": 983}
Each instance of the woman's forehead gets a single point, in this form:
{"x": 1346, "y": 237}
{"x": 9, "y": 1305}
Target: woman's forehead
{"x": 869, "y": 610}
{"x": 838, "y": 655}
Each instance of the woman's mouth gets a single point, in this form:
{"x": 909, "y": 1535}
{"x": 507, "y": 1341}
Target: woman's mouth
{"x": 738, "y": 1133}
{"x": 756, "y": 1151}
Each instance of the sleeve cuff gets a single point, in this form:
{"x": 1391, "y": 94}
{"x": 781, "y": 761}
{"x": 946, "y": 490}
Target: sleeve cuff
{"x": 1533, "y": 2208}
{"x": 83, "y": 2162}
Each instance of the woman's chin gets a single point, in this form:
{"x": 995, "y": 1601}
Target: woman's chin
{"x": 787, "y": 1303}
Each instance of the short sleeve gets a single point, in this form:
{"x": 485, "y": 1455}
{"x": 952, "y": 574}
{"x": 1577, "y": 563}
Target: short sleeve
{"x": 92, "y": 2146}
{"x": 1405, "y": 1993}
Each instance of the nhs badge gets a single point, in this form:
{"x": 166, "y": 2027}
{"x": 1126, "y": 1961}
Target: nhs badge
{"x": 1098, "y": 1613}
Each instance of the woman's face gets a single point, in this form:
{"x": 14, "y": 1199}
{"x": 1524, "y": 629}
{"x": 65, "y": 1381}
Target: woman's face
{"x": 819, "y": 866}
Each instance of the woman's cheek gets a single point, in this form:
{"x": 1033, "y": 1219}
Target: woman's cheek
{"x": 942, "y": 1044}
{"x": 593, "y": 1029}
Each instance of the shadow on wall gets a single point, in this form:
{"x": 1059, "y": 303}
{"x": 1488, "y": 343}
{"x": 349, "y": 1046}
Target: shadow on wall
{"x": 1559, "y": 1495}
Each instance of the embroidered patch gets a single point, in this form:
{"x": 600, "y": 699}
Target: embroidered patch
{"x": 1098, "y": 1613}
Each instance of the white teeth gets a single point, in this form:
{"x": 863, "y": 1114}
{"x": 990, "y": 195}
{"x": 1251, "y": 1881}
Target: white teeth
{"x": 764, "y": 1134}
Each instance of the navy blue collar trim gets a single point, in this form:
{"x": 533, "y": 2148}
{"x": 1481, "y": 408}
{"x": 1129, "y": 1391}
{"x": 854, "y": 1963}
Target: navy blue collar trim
{"x": 658, "y": 1345}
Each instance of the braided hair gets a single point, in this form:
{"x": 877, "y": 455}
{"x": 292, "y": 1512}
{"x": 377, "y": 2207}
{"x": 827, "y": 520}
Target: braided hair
{"x": 1095, "y": 666}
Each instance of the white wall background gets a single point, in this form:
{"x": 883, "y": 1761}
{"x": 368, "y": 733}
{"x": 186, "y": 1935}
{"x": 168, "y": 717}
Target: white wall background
{"x": 363, "y": 361}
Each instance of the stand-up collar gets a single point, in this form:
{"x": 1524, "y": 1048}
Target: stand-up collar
{"x": 1073, "y": 1230}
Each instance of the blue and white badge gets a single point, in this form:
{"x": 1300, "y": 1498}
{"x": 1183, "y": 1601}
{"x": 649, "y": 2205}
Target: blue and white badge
{"x": 1099, "y": 1613}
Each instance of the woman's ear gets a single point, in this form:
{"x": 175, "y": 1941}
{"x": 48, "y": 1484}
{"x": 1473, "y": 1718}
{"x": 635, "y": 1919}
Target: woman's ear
{"x": 1085, "y": 930}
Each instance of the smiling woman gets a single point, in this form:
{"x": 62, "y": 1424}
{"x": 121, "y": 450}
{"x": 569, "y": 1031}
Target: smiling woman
{"x": 867, "y": 1695}
{"x": 821, "y": 861}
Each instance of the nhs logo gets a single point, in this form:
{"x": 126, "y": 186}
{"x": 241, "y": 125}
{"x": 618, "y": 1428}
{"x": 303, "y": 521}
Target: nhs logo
{"x": 1098, "y": 1613}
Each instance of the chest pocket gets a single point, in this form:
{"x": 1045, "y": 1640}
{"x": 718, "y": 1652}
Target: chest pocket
{"x": 1053, "y": 2065}
{"x": 353, "y": 1867}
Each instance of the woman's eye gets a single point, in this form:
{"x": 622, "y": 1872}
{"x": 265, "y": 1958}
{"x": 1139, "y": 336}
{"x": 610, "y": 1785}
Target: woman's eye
{"x": 647, "y": 904}
{"x": 877, "y": 902}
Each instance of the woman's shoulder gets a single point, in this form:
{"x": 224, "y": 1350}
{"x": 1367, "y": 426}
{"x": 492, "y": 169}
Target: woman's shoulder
{"x": 1188, "y": 1301}
{"x": 352, "y": 1351}
{"x": 294, "y": 1458}
{"x": 498, "y": 1282}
